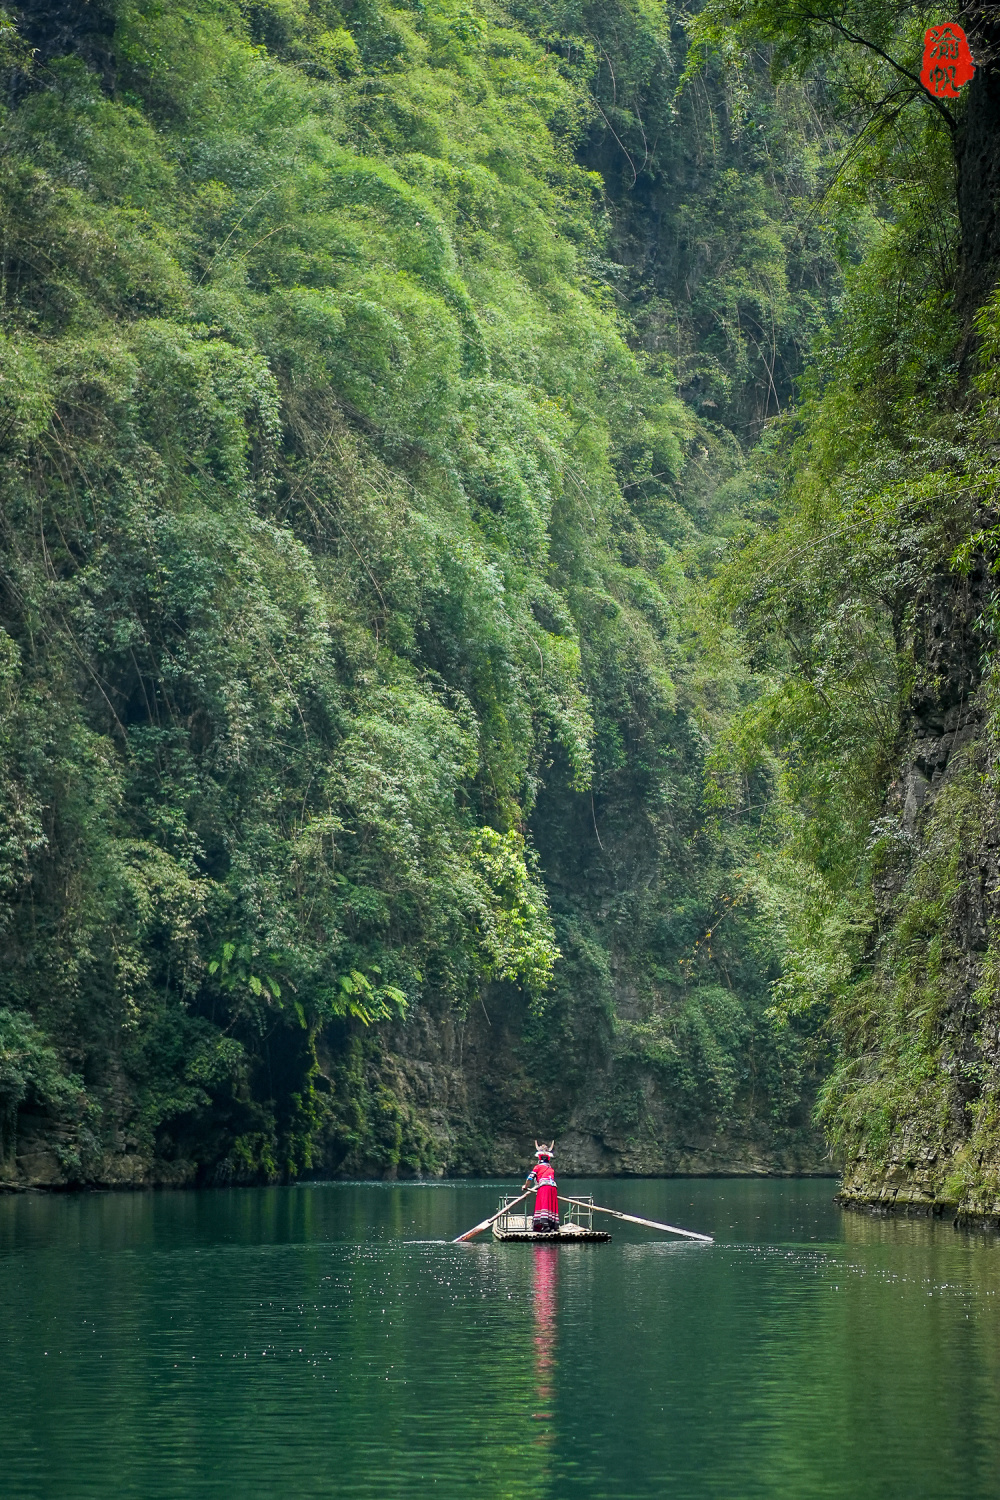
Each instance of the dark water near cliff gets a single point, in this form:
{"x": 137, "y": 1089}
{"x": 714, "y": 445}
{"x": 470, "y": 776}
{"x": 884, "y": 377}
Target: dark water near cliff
{"x": 321, "y": 1341}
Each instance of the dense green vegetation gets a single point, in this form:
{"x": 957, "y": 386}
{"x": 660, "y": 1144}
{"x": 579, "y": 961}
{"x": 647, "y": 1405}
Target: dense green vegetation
{"x": 294, "y": 420}
{"x": 395, "y": 629}
{"x": 350, "y": 562}
{"x": 868, "y": 604}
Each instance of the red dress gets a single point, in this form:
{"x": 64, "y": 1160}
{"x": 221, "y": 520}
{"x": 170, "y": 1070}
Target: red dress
{"x": 546, "y": 1217}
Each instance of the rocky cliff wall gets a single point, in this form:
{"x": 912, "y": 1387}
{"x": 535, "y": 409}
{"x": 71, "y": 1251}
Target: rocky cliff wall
{"x": 471, "y": 1088}
{"x": 929, "y": 1090}
{"x": 446, "y": 1096}
{"x": 924, "y": 1032}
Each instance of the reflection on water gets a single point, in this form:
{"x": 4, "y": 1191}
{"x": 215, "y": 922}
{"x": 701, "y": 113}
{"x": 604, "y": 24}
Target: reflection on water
{"x": 330, "y": 1341}
{"x": 545, "y": 1293}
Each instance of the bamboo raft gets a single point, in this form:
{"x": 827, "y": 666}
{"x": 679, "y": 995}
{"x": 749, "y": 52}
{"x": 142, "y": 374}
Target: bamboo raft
{"x": 577, "y": 1227}
{"x": 578, "y": 1224}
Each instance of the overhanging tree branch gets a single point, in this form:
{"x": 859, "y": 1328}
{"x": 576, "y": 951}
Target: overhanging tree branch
{"x": 837, "y": 25}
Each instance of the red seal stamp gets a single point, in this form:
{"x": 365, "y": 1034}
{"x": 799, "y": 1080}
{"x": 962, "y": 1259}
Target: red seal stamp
{"x": 947, "y": 61}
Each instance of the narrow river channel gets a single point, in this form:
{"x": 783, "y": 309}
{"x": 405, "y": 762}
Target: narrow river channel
{"x": 327, "y": 1340}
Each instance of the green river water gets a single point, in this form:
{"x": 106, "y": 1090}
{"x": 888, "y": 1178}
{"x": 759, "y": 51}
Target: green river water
{"x": 326, "y": 1340}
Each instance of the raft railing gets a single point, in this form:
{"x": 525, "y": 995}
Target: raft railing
{"x": 513, "y": 1223}
{"x": 580, "y": 1212}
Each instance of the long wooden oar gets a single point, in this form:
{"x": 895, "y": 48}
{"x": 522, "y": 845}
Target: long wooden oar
{"x": 648, "y": 1223}
{"x": 471, "y": 1233}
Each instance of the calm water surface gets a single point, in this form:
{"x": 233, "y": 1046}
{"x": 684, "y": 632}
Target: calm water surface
{"x": 325, "y": 1340}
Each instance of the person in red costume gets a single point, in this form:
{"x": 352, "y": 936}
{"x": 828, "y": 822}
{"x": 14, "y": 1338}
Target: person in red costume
{"x": 543, "y": 1179}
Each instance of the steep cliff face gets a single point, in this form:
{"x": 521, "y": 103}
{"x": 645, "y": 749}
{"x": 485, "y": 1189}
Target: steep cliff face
{"x": 462, "y": 1097}
{"x": 472, "y": 1089}
{"x": 869, "y": 600}
{"x": 930, "y": 1139}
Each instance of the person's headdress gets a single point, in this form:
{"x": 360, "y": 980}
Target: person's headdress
{"x": 543, "y": 1150}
